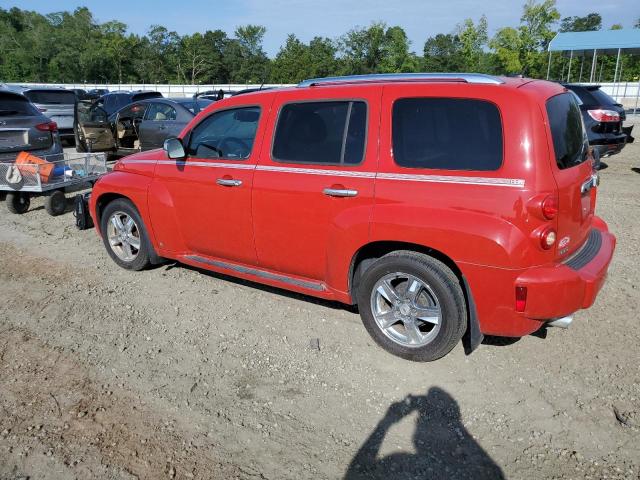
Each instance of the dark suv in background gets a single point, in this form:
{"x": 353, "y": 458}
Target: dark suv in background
{"x": 603, "y": 118}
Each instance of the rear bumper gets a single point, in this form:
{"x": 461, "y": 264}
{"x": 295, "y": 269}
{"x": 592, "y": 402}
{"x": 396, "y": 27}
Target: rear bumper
{"x": 561, "y": 289}
{"x": 608, "y": 144}
{"x": 553, "y": 291}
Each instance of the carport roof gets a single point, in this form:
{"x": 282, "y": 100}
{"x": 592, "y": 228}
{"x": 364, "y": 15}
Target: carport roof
{"x": 605, "y": 41}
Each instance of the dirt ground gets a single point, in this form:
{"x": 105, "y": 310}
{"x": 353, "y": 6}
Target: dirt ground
{"x": 179, "y": 373}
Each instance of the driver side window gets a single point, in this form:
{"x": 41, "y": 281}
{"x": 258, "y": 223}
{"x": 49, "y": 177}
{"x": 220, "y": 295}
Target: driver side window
{"x": 226, "y": 134}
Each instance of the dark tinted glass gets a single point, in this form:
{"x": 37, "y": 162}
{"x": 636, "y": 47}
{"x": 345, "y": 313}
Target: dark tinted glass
{"x": 11, "y": 105}
{"x": 447, "y": 133}
{"x": 321, "y": 132}
{"x": 602, "y": 98}
{"x": 51, "y": 97}
{"x": 569, "y": 139}
{"x": 226, "y": 134}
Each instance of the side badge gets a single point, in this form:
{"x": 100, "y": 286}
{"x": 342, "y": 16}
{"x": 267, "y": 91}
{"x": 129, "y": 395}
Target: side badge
{"x": 564, "y": 241}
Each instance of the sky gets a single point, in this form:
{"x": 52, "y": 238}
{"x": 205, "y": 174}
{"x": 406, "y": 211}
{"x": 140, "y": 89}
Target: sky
{"x": 328, "y": 18}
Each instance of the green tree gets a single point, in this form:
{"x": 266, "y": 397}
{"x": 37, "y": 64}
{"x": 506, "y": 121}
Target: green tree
{"x": 443, "y": 53}
{"x": 472, "y": 39}
{"x": 506, "y": 45}
{"x": 244, "y": 56}
{"x": 590, "y": 22}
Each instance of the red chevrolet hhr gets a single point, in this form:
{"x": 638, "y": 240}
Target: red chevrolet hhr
{"x": 438, "y": 203}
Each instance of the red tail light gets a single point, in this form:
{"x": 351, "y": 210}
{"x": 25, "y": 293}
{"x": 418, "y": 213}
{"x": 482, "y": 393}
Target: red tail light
{"x": 548, "y": 238}
{"x": 48, "y": 127}
{"x": 601, "y": 115}
{"x": 521, "y": 299}
{"x": 550, "y": 207}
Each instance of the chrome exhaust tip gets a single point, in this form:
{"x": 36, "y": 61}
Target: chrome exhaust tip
{"x": 563, "y": 322}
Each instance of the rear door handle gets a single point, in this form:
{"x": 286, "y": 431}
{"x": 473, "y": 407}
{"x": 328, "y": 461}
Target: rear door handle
{"x": 229, "y": 182}
{"x": 340, "y": 192}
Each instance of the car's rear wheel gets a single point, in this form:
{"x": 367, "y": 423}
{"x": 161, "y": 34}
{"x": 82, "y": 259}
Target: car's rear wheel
{"x": 125, "y": 236}
{"x": 412, "y": 305}
{"x": 17, "y": 203}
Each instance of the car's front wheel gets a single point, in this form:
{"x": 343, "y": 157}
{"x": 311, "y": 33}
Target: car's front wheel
{"x": 125, "y": 236}
{"x": 412, "y": 305}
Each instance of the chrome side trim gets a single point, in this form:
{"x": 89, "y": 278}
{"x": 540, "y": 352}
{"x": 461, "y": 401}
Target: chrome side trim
{"x": 317, "y": 286}
{"x": 490, "y": 181}
{"x": 452, "y": 179}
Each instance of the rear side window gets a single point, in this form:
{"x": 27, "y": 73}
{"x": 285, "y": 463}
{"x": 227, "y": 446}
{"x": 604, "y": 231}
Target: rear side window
{"x": 332, "y": 133}
{"x": 12, "y": 105}
{"x": 51, "y": 97}
{"x": 447, "y": 133}
{"x": 159, "y": 112}
{"x": 570, "y": 143}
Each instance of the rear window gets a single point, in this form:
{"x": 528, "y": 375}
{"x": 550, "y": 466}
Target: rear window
{"x": 51, "y": 97}
{"x": 447, "y": 133}
{"x": 145, "y": 96}
{"x": 12, "y": 105}
{"x": 328, "y": 132}
{"x": 569, "y": 138}
{"x": 602, "y": 98}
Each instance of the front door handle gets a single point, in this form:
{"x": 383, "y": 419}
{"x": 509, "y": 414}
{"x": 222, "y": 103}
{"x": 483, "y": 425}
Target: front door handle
{"x": 340, "y": 192}
{"x": 229, "y": 182}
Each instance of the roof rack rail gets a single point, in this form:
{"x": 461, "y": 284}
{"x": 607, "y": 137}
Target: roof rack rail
{"x": 415, "y": 77}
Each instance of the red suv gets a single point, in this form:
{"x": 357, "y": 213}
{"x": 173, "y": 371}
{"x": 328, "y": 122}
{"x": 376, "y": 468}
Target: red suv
{"x": 438, "y": 203}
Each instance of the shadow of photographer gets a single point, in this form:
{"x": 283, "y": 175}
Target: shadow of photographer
{"x": 444, "y": 449}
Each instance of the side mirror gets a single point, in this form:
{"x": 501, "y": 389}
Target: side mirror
{"x": 174, "y": 148}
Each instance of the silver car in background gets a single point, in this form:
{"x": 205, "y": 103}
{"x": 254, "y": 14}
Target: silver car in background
{"x": 56, "y": 103}
{"x": 24, "y": 128}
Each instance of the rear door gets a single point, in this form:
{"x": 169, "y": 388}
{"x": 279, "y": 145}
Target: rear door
{"x": 160, "y": 122}
{"x": 573, "y": 172}
{"x": 127, "y": 125}
{"x": 314, "y": 186}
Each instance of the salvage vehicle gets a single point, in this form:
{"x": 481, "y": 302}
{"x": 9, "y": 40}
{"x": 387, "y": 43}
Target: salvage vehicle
{"x": 55, "y": 103}
{"x": 142, "y": 125}
{"x": 24, "y": 128}
{"x": 603, "y": 118}
{"x": 439, "y": 204}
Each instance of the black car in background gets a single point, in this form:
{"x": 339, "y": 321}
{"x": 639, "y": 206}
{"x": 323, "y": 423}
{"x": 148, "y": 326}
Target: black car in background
{"x": 603, "y": 118}
{"x": 141, "y": 125}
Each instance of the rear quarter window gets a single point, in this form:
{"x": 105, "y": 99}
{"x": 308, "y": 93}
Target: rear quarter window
{"x": 447, "y": 133}
{"x": 570, "y": 142}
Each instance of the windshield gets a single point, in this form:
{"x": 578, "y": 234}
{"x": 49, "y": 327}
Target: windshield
{"x": 51, "y": 97}
{"x": 570, "y": 142}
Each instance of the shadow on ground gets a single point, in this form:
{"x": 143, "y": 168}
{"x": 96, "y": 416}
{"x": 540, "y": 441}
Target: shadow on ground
{"x": 443, "y": 446}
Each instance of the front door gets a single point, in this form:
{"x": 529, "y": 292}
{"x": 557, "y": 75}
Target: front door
{"x": 128, "y": 122}
{"x": 209, "y": 193}
{"x": 314, "y": 186}
{"x": 93, "y": 129}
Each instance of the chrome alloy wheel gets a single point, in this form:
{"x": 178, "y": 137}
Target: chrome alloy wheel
{"x": 406, "y": 309}
{"x": 124, "y": 236}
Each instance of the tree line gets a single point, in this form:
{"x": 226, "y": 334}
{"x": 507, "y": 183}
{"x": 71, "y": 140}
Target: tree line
{"x": 72, "y": 47}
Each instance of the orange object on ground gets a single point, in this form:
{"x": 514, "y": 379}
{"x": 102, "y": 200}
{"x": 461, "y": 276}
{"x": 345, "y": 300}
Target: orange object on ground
{"x": 28, "y": 164}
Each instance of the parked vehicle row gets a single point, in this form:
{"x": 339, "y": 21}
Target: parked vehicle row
{"x": 439, "y": 204}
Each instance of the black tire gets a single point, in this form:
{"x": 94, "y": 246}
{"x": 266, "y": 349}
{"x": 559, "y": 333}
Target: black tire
{"x": 55, "y": 203}
{"x": 444, "y": 284}
{"x": 143, "y": 255}
{"x": 18, "y": 203}
{"x": 81, "y": 147}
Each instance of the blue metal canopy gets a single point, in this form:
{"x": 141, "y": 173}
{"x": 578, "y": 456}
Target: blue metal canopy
{"x": 604, "y": 41}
